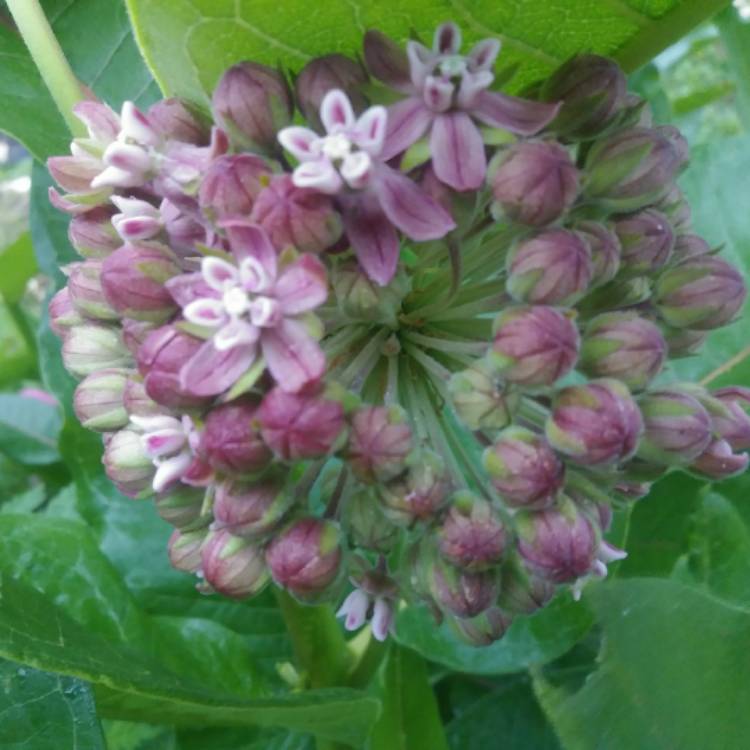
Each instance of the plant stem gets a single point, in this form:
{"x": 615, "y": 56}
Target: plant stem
{"x": 49, "y": 59}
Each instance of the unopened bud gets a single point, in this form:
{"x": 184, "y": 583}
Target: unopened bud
{"x": 521, "y": 591}
{"x": 174, "y": 119}
{"x": 460, "y": 592}
{"x": 62, "y": 314}
{"x": 479, "y": 399}
{"x": 605, "y": 249}
{"x": 365, "y": 522}
{"x": 184, "y": 549}
{"x": 86, "y": 294}
{"x": 92, "y": 233}
{"x": 689, "y": 246}
{"x": 380, "y": 441}
{"x": 181, "y": 507}
{"x": 732, "y": 423}
{"x": 88, "y": 348}
{"x": 233, "y": 566}
{"x": 682, "y": 342}
{"x": 127, "y": 463}
{"x": 251, "y": 509}
{"x": 231, "y": 185}
{"x": 484, "y": 629}
{"x": 647, "y": 239}
{"x": 719, "y": 461}
{"x": 98, "y": 400}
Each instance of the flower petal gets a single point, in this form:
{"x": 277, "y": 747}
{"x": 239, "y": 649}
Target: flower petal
{"x": 170, "y": 471}
{"x": 136, "y": 126}
{"x": 219, "y": 274}
{"x": 102, "y": 123}
{"x": 210, "y": 372}
{"x": 483, "y": 55}
{"x": 374, "y": 241}
{"x": 235, "y": 333}
{"x": 382, "y": 619}
{"x": 163, "y": 442}
{"x": 447, "y": 39}
{"x": 299, "y": 142}
{"x": 438, "y": 94}
{"x": 408, "y": 121}
{"x": 370, "y": 129}
{"x": 205, "y": 312}
{"x": 320, "y": 175}
{"x": 512, "y": 113}
{"x": 421, "y": 63}
{"x": 354, "y": 609}
{"x": 302, "y": 286}
{"x": 336, "y": 112}
{"x": 457, "y": 151}
{"x": 356, "y": 169}
{"x": 417, "y": 214}
{"x": 188, "y": 287}
{"x": 293, "y": 356}
{"x": 387, "y": 61}
{"x": 251, "y": 241}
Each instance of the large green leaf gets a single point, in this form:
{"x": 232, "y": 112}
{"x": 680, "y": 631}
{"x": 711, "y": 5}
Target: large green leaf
{"x": 188, "y": 43}
{"x": 42, "y": 711}
{"x": 673, "y": 673}
{"x": 29, "y": 429}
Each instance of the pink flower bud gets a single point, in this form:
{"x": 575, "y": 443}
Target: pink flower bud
{"x": 74, "y": 174}
{"x": 92, "y": 233}
{"x": 62, "y": 315}
{"x": 298, "y": 425}
{"x": 251, "y": 509}
{"x": 85, "y": 288}
{"x": 718, "y": 461}
{"x": 98, "y": 400}
{"x": 557, "y": 544}
{"x": 305, "y": 558}
{"x": 702, "y": 293}
{"x": 533, "y": 182}
{"x": 136, "y": 401}
{"x": 677, "y": 427}
{"x": 127, "y": 464}
{"x": 605, "y": 250}
{"x": 233, "y": 566}
{"x": 360, "y": 298}
{"x": 174, "y": 119}
{"x": 380, "y": 441}
{"x": 479, "y": 399}
{"x": 184, "y": 549}
{"x": 136, "y": 220}
{"x": 321, "y": 75}
{"x": 181, "y": 507}
{"x": 88, "y": 348}
{"x": 552, "y": 268}
{"x": 387, "y": 61}
{"x": 231, "y": 440}
{"x": 732, "y": 423}
{"x": 624, "y": 346}
{"x": 462, "y": 593}
{"x": 533, "y": 345}
{"x": 682, "y": 342}
{"x": 521, "y": 591}
{"x": 676, "y": 208}
{"x": 484, "y": 629}
{"x": 689, "y": 246}
{"x": 647, "y": 239}
{"x": 134, "y": 333}
{"x": 595, "y": 423}
{"x": 252, "y": 102}
{"x": 133, "y": 279}
{"x": 472, "y": 535}
{"x": 524, "y": 469}
{"x": 300, "y": 217}
{"x": 160, "y": 358}
{"x": 231, "y": 185}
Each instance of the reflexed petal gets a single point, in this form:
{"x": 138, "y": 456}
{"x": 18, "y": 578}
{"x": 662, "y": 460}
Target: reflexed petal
{"x": 254, "y": 277}
{"x": 163, "y": 442}
{"x": 421, "y": 62}
{"x": 76, "y": 204}
{"x": 472, "y": 84}
{"x": 447, "y": 39}
{"x": 205, "y": 312}
{"x": 336, "y": 112}
{"x": 512, "y": 113}
{"x": 134, "y": 228}
{"x": 417, "y": 214}
{"x": 102, "y": 123}
{"x": 235, "y": 333}
{"x": 251, "y": 241}
{"x": 438, "y": 94}
{"x": 320, "y": 175}
{"x": 135, "y": 207}
{"x": 354, "y": 609}
{"x": 189, "y": 287}
{"x": 210, "y": 372}
{"x": 293, "y": 356}
{"x": 483, "y": 55}
{"x": 199, "y": 474}
{"x": 219, "y": 274}
{"x": 356, "y": 169}
{"x": 387, "y": 61}
{"x": 457, "y": 151}
{"x": 127, "y": 157}
{"x": 136, "y": 126}
{"x": 155, "y": 422}
{"x": 382, "y": 619}
{"x": 299, "y": 142}
{"x": 371, "y": 128}
{"x": 116, "y": 177}
{"x": 374, "y": 241}
{"x": 74, "y": 173}
{"x": 170, "y": 471}
{"x": 408, "y": 121}
{"x": 302, "y": 286}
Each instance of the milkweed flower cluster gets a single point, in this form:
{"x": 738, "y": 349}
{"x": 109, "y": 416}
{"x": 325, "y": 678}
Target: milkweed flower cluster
{"x": 378, "y": 357}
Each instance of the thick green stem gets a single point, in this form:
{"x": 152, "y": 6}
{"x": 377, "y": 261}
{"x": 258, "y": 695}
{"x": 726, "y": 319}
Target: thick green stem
{"x": 49, "y": 59}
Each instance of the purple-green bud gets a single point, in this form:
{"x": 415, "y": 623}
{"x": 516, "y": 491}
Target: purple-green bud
{"x": 534, "y": 345}
{"x": 181, "y": 507}
{"x": 231, "y": 440}
{"x": 647, "y": 239}
{"x": 460, "y": 592}
{"x": 62, "y": 315}
{"x": 86, "y": 294}
{"x": 552, "y": 268}
{"x": 677, "y": 427}
{"x": 127, "y": 464}
{"x": 521, "y": 591}
{"x": 618, "y": 294}
{"x": 679, "y": 142}
{"x": 482, "y": 630}
{"x": 297, "y": 217}
{"x": 251, "y": 509}
{"x": 557, "y": 544}
{"x": 472, "y": 534}
{"x": 682, "y": 342}
{"x": 630, "y": 169}
{"x": 252, "y": 102}
{"x": 360, "y": 298}
{"x": 624, "y": 346}
{"x": 134, "y": 333}
{"x": 174, "y": 119}
{"x": 605, "y": 249}
{"x": 136, "y": 401}
{"x": 701, "y": 293}
{"x": 524, "y": 469}
{"x": 420, "y": 493}
{"x": 380, "y": 441}
{"x": 732, "y": 423}
{"x": 719, "y": 461}
{"x": 233, "y": 566}
{"x": 92, "y": 233}
{"x": 321, "y": 75}
{"x": 596, "y": 423}
{"x": 592, "y": 90}
{"x": 480, "y": 400}
{"x": 133, "y": 279}
{"x": 533, "y": 182}
{"x": 184, "y": 549}
{"x": 88, "y": 348}
{"x": 99, "y": 400}
{"x": 231, "y": 185}
{"x": 305, "y": 558}
{"x": 365, "y": 522}
{"x": 676, "y": 209}
{"x": 300, "y": 425}
{"x": 689, "y": 246}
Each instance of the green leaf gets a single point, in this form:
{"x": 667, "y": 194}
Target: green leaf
{"x": 242, "y": 739}
{"x": 127, "y": 735}
{"x": 530, "y": 640}
{"x": 189, "y": 43}
{"x": 16, "y": 357}
{"x": 673, "y": 673}
{"x": 29, "y": 429}
{"x": 17, "y": 266}
{"x": 410, "y": 718}
{"x": 43, "y": 711}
